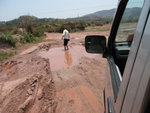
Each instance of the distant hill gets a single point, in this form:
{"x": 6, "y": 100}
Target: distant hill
{"x": 132, "y": 14}
{"x": 104, "y": 15}
{"x": 21, "y": 20}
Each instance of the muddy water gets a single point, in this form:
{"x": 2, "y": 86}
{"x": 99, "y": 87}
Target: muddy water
{"x": 76, "y": 92}
{"x": 65, "y": 59}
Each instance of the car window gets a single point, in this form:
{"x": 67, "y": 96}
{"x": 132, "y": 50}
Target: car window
{"x": 129, "y": 21}
{"x": 123, "y": 40}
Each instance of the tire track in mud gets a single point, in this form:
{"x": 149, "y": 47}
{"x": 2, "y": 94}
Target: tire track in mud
{"x": 80, "y": 88}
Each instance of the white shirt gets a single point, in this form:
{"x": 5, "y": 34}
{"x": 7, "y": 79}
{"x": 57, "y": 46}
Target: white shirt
{"x": 66, "y": 34}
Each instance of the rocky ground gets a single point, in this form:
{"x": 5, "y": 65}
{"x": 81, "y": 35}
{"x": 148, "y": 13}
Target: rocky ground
{"x": 47, "y": 79}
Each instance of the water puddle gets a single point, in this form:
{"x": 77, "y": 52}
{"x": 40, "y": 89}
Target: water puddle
{"x": 65, "y": 59}
{"x": 68, "y": 59}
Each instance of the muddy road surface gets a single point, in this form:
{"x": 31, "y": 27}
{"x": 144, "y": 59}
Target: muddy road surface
{"x": 78, "y": 78}
{"x": 47, "y": 79}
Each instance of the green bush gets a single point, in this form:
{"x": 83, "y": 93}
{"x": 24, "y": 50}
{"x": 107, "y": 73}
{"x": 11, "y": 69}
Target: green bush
{"x": 38, "y": 32}
{"x": 29, "y": 29}
{"x": 50, "y": 30}
{"x": 5, "y": 56}
{"x": 22, "y": 40}
{"x": 15, "y": 31}
{"x": 29, "y": 38}
{"x": 60, "y": 28}
{"x": 7, "y": 38}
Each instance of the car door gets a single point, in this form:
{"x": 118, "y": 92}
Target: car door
{"x": 124, "y": 34}
{"x": 136, "y": 95}
{"x": 131, "y": 60}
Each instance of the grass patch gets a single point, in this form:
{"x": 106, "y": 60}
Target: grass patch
{"x": 97, "y": 28}
{"x": 31, "y": 39}
{"x": 5, "y": 56}
{"x": 39, "y": 39}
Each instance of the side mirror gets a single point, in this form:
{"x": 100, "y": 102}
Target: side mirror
{"x": 95, "y": 44}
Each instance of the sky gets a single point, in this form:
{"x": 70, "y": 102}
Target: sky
{"x": 11, "y": 9}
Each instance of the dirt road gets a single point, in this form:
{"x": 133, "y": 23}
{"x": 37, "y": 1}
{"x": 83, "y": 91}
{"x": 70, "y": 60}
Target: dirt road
{"x": 78, "y": 78}
{"x": 47, "y": 79}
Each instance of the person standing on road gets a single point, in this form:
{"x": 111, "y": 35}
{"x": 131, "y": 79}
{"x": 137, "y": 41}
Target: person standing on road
{"x": 66, "y": 38}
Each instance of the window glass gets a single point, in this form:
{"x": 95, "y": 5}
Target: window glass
{"x": 129, "y": 21}
{"x": 124, "y": 38}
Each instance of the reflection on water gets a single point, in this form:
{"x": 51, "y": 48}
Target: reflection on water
{"x": 68, "y": 59}
{"x": 65, "y": 59}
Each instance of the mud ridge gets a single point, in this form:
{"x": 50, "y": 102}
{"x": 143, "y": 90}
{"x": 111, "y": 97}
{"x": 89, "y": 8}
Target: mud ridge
{"x": 30, "y": 88}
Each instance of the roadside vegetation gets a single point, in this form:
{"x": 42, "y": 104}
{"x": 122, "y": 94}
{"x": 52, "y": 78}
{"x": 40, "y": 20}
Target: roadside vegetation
{"x": 5, "y": 56}
{"x": 28, "y": 29}
{"x": 17, "y": 36}
{"x": 7, "y": 38}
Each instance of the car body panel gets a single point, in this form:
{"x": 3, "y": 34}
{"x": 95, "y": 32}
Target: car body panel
{"x": 144, "y": 82}
{"x": 108, "y": 87}
{"x": 140, "y": 67}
